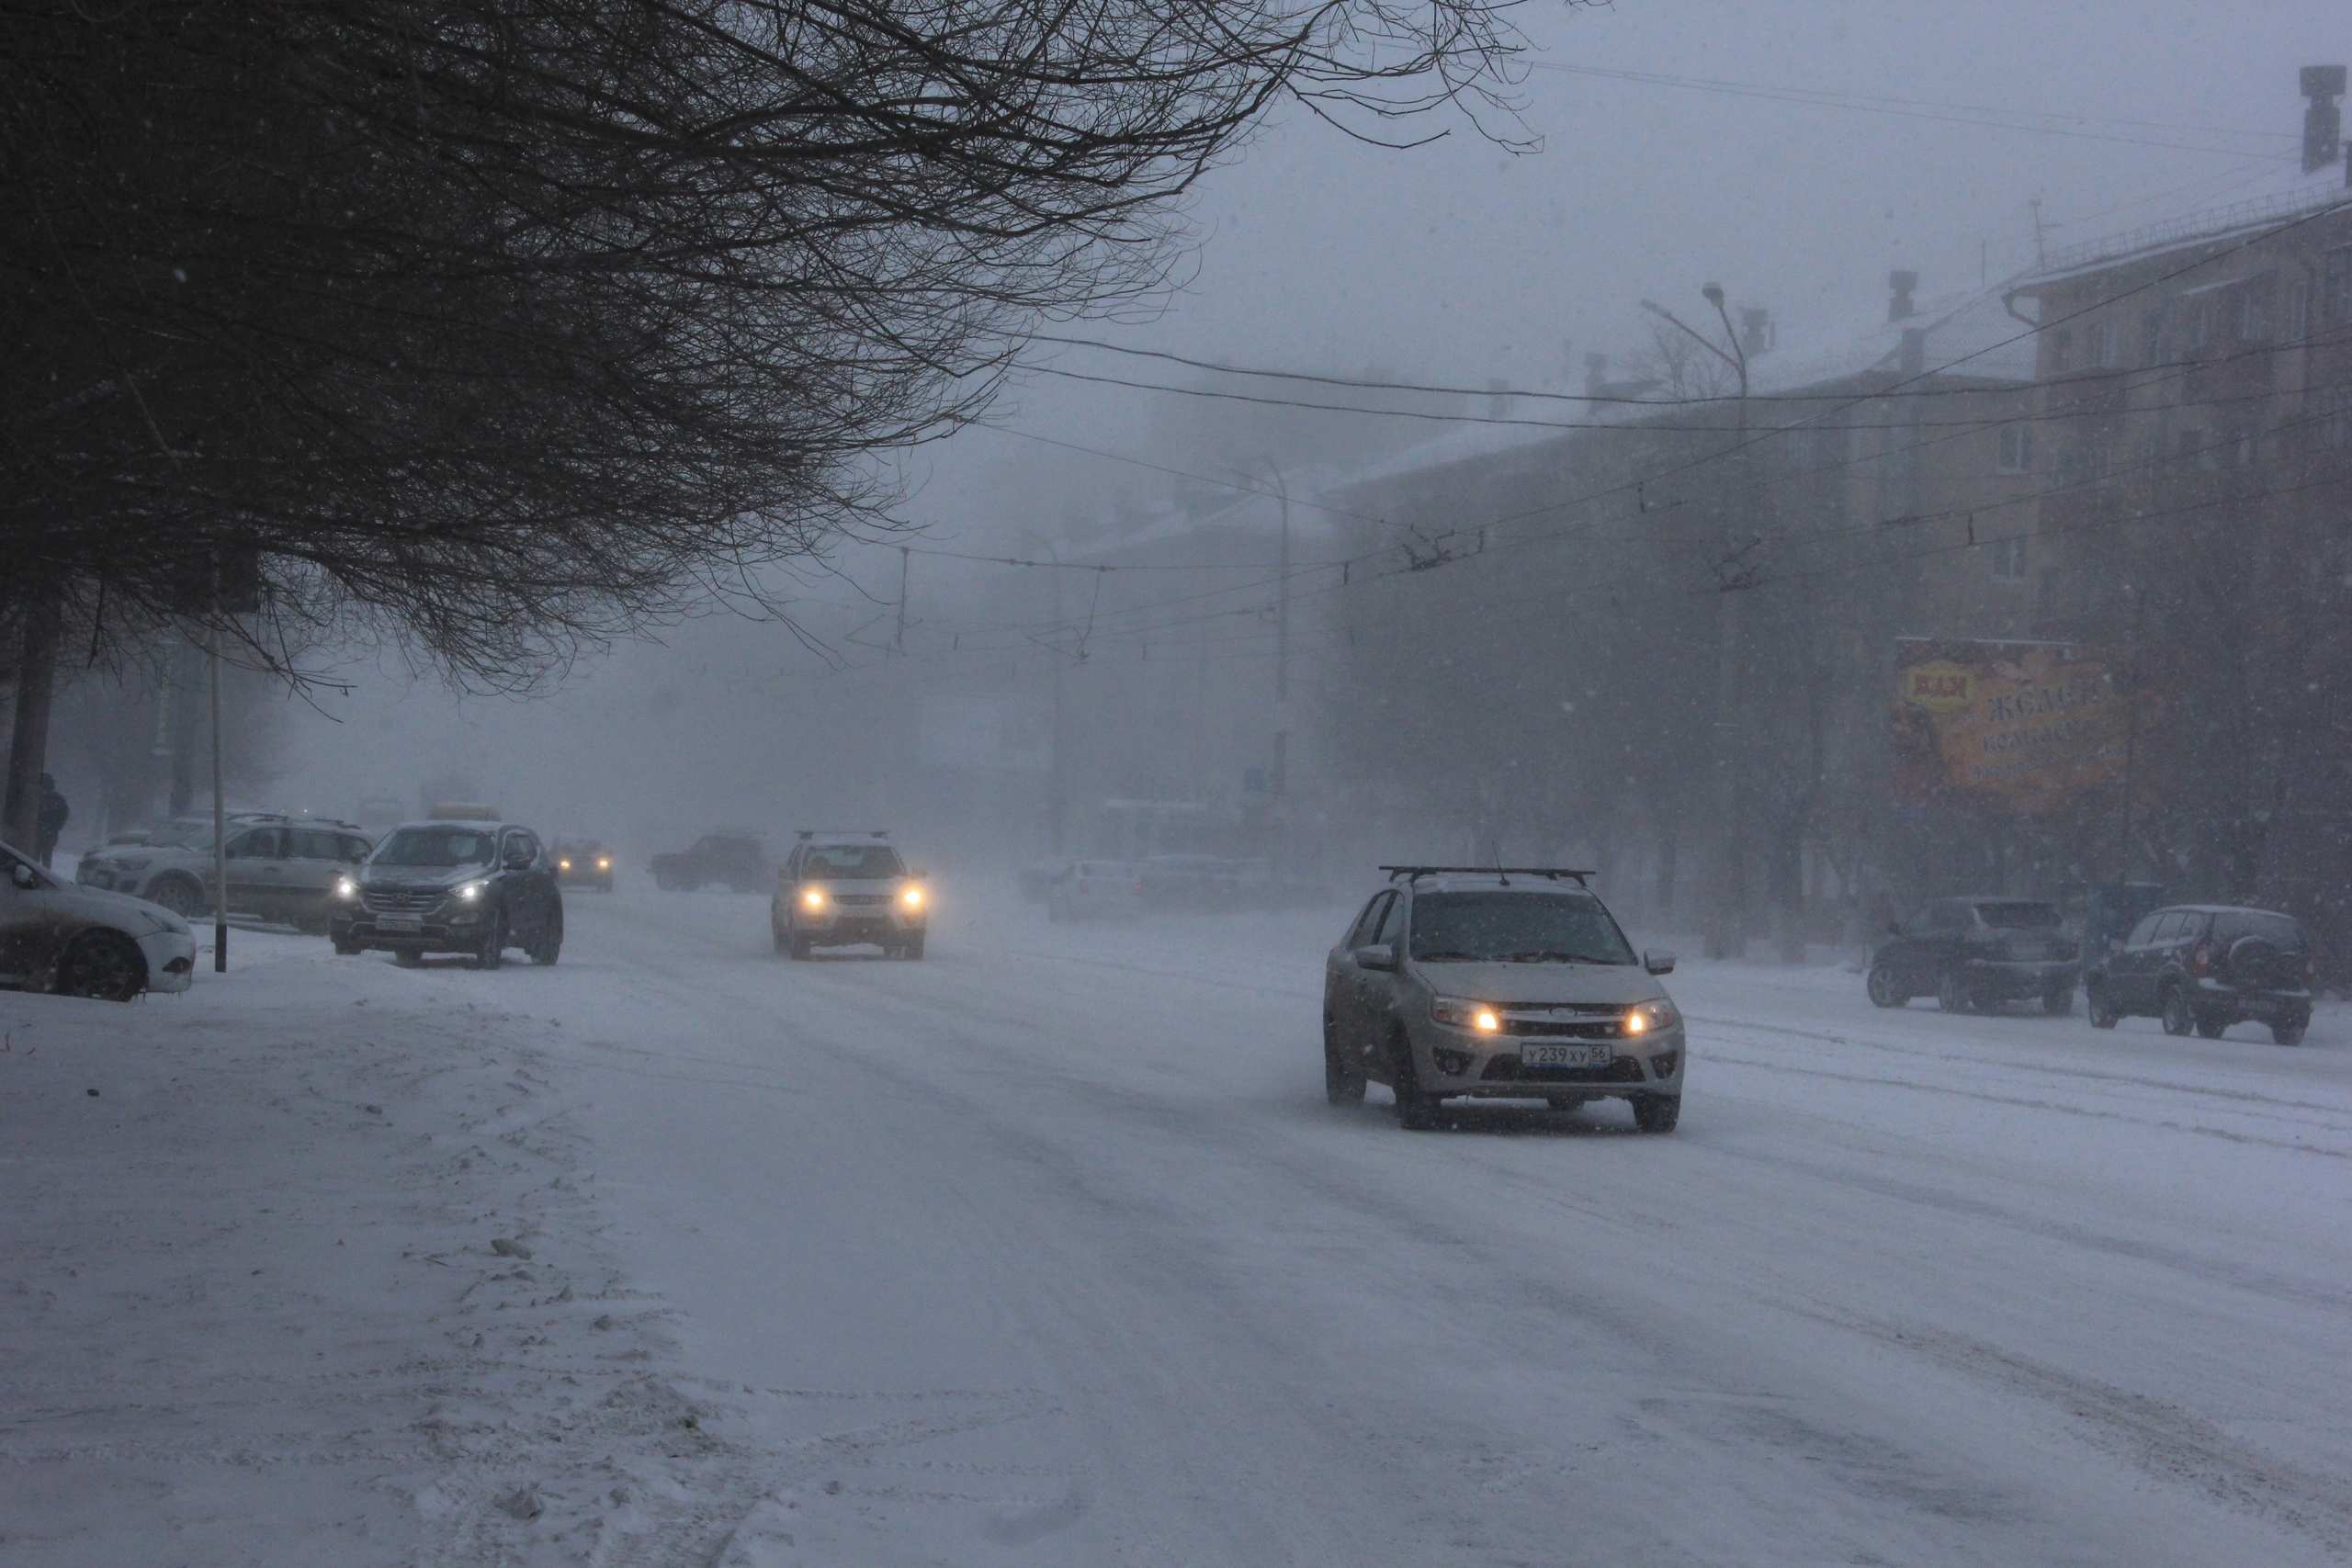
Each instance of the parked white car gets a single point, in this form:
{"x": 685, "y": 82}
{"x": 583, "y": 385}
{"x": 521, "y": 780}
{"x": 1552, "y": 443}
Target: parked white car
{"x": 79, "y": 942}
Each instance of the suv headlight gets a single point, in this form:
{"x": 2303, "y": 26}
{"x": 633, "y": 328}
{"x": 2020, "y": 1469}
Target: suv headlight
{"x": 911, "y": 900}
{"x": 1650, "y": 1018}
{"x": 1456, "y": 1014}
{"x": 812, "y": 898}
{"x": 472, "y": 892}
{"x": 346, "y": 888}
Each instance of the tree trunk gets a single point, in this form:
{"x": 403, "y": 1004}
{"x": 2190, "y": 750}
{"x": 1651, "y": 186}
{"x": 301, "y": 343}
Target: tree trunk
{"x": 29, "y": 734}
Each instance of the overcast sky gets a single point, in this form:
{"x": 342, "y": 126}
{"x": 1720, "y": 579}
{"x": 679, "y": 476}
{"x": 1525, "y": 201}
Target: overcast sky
{"x": 1464, "y": 262}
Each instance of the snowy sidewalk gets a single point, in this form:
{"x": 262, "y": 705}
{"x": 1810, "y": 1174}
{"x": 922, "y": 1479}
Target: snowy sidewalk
{"x": 297, "y": 1269}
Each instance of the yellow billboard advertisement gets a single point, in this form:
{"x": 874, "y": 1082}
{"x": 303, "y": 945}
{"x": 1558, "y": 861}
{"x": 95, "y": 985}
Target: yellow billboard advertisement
{"x": 2016, "y": 727}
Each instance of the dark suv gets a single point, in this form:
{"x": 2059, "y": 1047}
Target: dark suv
{"x": 472, "y": 887}
{"x": 1976, "y": 953}
{"x": 2206, "y": 966}
{"x": 739, "y": 859}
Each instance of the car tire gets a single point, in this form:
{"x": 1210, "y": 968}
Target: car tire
{"x": 492, "y": 950}
{"x": 776, "y": 936}
{"x": 912, "y": 949}
{"x": 1658, "y": 1112}
{"x": 183, "y": 895}
{"x": 799, "y": 946}
{"x": 345, "y": 950}
{"x": 1416, "y": 1107}
{"x": 407, "y": 958}
{"x": 1951, "y": 992}
{"x": 2102, "y": 1014}
{"x": 1344, "y": 1083}
{"x": 104, "y": 966}
{"x": 2289, "y": 1033}
{"x": 2210, "y": 1027}
{"x": 550, "y": 946}
{"x": 2177, "y": 1018}
{"x": 2060, "y": 1003}
{"x": 1885, "y": 988}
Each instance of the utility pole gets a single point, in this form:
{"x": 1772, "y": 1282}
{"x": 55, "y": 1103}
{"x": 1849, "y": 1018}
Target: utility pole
{"x": 2131, "y": 731}
{"x": 898, "y": 640}
{"x": 220, "y": 796}
{"x": 1280, "y": 778}
{"x": 1725, "y": 932}
{"x": 1058, "y": 784}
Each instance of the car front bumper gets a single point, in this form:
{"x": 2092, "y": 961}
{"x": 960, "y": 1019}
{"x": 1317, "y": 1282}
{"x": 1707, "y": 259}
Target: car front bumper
{"x": 443, "y": 931}
{"x": 2010, "y": 979}
{"x": 836, "y": 927}
{"x": 171, "y": 960}
{"x": 1456, "y": 1063}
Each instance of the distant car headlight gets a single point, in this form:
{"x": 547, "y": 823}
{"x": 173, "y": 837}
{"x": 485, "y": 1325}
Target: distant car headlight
{"x": 1455, "y": 1013}
{"x": 604, "y": 862}
{"x": 1648, "y": 1017}
{"x": 911, "y": 897}
{"x": 472, "y": 892}
{"x": 564, "y": 865}
{"x": 812, "y": 898}
{"x": 346, "y": 888}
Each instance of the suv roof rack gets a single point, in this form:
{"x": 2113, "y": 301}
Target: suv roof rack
{"x": 1412, "y": 874}
{"x": 805, "y": 834}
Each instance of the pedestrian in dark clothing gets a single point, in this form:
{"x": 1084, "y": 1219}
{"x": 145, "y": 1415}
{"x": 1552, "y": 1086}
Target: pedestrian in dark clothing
{"x": 54, "y": 813}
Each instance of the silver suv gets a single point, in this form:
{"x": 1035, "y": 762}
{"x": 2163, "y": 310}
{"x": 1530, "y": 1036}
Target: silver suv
{"x": 1507, "y": 983}
{"x": 838, "y": 889}
{"x": 280, "y": 868}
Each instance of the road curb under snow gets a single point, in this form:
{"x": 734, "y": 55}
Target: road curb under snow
{"x": 304, "y": 1269}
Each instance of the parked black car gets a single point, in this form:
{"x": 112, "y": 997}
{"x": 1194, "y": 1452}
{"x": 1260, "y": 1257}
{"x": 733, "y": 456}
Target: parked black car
{"x": 472, "y": 887}
{"x": 1976, "y": 953}
{"x": 583, "y": 862}
{"x": 2206, "y": 966}
{"x": 738, "y": 860}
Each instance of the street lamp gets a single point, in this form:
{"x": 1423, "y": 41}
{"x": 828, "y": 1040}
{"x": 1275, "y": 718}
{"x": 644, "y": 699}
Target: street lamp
{"x": 1726, "y": 924}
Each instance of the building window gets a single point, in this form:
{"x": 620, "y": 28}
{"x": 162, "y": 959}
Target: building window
{"x": 2151, "y": 335}
{"x": 2336, "y": 286}
{"x": 2008, "y": 555}
{"x": 2017, "y": 448}
{"x": 2253, "y": 312}
{"x": 2061, "y": 349}
{"x": 2098, "y": 345}
{"x": 2298, "y": 310}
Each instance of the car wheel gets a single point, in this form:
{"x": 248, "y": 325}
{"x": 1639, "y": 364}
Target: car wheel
{"x": 776, "y": 935}
{"x": 492, "y": 950}
{"x": 2177, "y": 1018}
{"x": 1416, "y": 1107}
{"x": 799, "y": 946}
{"x": 2058, "y": 1003}
{"x": 1344, "y": 1082}
{"x": 1658, "y": 1112}
{"x": 2289, "y": 1033}
{"x": 550, "y": 944}
{"x": 407, "y": 958}
{"x": 913, "y": 948}
{"x": 183, "y": 895}
{"x": 1886, "y": 990}
{"x": 345, "y": 950}
{"x": 102, "y": 965}
{"x": 2211, "y": 1026}
{"x": 1952, "y": 991}
{"x": 2103, "y": 1013}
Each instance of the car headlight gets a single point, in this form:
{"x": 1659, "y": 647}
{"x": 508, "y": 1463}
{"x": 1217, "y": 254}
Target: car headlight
{"x": 1456, "y": 1014}
{"x": 812, "y": 898}
{"x": 911, "y": 897}
{"x": 346, "y": 888}
{"x": 604, "y": 862}
{"x": 472, "y": 892}
{"x": 564, "y": 865}
{"x": 1648, "y": 1017}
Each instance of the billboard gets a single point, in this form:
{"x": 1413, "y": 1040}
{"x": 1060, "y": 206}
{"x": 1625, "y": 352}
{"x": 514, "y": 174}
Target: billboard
{"x": 2019, "y": 728}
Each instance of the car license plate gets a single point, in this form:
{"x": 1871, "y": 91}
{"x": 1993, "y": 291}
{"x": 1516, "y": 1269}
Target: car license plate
{"x": 400, "y": 923}
{"x": 1564, "y": 1056}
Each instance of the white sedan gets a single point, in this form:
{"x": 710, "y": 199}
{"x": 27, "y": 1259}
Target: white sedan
{"x": 79, "y": 942}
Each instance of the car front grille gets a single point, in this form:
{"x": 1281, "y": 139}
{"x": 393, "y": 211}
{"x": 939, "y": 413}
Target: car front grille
{"x": 401, "y": 900}
{"x": 1507, "y": 1070}
{"x": 1557, "y": 1029}
{"x": 860, "y": 900}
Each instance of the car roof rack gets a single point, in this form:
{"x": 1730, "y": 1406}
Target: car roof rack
{"x": 805, "y": 834}
{"x": 1412, "y": 874}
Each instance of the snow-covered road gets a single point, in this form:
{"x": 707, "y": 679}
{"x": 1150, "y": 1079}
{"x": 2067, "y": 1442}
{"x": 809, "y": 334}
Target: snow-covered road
{"x": 1047, "y": 1251}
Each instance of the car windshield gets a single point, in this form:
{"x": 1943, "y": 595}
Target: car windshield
{"x": 437, "y": 847}
{"x": 1523, "y": 928}
{"x": 2017, "y": 915}
{"x": 2280, "y": 930}
{"x": 868, "y": 861}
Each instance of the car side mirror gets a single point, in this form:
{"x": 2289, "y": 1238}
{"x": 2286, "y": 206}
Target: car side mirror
{"x": 919, "y": 873}
{"x": 1658, "y": 961}
{"x": 22, "y": 875}
{"x": 517, "y": 860}
{"x": 1379, "y": 956}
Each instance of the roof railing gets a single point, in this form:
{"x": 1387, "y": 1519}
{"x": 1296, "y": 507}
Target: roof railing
{"x": 1412, "y": 874}
{"x": 805, "y": 834}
